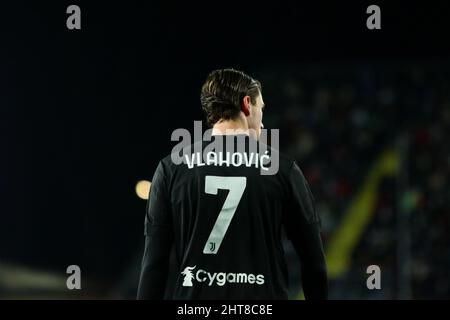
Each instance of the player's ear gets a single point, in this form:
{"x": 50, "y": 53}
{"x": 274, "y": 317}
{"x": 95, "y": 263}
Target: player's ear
{"x": 246, "y": 105}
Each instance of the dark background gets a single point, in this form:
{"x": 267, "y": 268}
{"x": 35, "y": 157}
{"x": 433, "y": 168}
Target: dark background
{"x": 85, "y": 114}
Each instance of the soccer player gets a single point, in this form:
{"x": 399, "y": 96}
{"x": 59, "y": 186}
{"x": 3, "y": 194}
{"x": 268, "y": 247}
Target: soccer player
{"x": 214, "y": 229}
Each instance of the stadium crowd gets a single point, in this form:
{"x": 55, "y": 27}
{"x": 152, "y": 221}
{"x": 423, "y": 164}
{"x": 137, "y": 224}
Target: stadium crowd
{"x": 336, "y": 120}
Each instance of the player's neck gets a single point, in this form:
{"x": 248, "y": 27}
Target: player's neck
{"x": 230, "y": 127}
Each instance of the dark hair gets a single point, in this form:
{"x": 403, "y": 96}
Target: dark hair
{"x": 223, "y": 91}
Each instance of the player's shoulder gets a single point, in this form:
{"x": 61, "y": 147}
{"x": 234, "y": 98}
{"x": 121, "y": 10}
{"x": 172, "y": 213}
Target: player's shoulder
{"x": 285, "y": 161}
{"x": 167, "y": 163}
{"x": 177, "y": 158}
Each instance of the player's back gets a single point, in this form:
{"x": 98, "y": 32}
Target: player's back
{"x": 227, "y": 222}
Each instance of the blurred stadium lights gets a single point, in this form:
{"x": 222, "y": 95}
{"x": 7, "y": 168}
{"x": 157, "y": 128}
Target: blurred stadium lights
{"x": 21, "y": 278}
{"x": 405, "y": 200}
{"x": 358, "y": 215}
{"x": 19, "y": 282}
{"x": 143, "y": 189}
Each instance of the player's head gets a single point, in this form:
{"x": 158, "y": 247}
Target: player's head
{"x": 229, "y": 94}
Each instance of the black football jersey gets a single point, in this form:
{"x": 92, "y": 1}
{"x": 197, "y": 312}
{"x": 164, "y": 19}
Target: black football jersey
{"x": 224, "y": 221}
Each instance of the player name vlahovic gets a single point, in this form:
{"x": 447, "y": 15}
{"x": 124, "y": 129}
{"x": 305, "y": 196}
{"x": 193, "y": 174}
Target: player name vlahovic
{"x": 236, "y": 159}
{"x": 233, "y": 149}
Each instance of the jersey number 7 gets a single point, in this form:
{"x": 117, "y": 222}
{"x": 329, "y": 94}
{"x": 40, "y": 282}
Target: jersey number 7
{"x": 236, "y": 186}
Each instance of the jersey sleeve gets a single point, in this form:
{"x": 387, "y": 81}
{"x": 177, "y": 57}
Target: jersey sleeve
{"x": 158, "y": 239}
{"x": 302, "y": 225}
{"x": 158, "y": 212}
